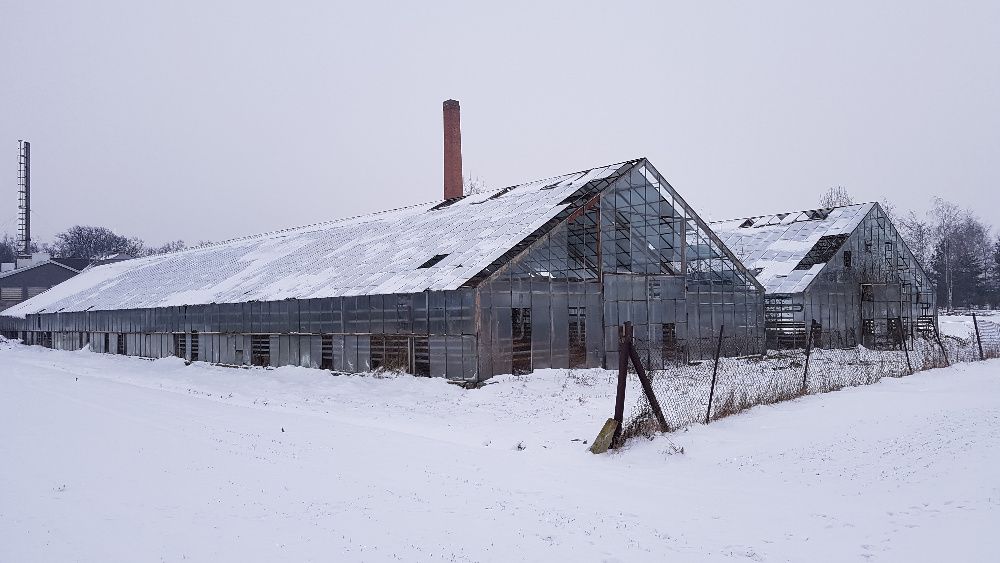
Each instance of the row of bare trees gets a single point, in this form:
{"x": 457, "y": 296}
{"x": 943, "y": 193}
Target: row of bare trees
{"x": 83, "y": 241}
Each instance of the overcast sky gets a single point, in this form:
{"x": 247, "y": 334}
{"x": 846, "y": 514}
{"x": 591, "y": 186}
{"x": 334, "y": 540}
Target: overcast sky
{"x": 207, "y": 120}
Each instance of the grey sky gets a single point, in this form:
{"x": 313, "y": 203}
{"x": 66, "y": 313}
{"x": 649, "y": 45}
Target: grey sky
{"x": 208, "y": 120}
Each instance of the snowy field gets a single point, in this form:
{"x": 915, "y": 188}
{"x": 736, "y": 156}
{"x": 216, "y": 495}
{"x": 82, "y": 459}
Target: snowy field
{"x": 956, "y": 325}
{"x": 107, "y": 459}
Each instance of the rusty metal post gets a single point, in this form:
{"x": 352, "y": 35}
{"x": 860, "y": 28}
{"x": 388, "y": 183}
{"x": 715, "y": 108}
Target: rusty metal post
{"x": 715, "y": 373}
{"x": 979, "y": 339}
{"x": 809, "y": 341}
{"x": 647, "y": 387}
{"x": 902, "y": 342}
{"x": 623, "y": 346}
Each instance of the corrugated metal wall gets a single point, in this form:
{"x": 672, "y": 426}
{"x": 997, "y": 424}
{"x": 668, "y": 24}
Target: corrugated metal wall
{"x": 443, "y": 322}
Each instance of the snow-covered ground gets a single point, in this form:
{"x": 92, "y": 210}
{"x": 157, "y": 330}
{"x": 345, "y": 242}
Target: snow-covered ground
{"x": 961, "y": 325}
{"x": 955, "y": 325}
{"x": 106, "y": 458}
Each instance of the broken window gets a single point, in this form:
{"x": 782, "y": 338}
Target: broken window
{"x": 434, "y": 260}
{"x": 822, "y": 251}
{"x": 447, "y": 202}
{"x": 180, "y": 345}
{"x": 501, "y": 192}
{"x": 867, "y": 292}
{"x": 577, "y": 336}
{"x": 326, "y": 352}
{"x": 520, "y": 320}
{"x": 260, "y": 350}
{"x": 654, "y": 289}
{"x": 847, "y": 259}
{"x": 390, "y": 352}
{"x": 669, "y": 335}
{"x": 195, "y": 348}
{"x": 421, "y": 356}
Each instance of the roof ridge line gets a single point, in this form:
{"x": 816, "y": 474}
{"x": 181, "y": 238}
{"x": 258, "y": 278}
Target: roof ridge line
{"x": 380, "y": 212}
{"x": 789, "y": 212}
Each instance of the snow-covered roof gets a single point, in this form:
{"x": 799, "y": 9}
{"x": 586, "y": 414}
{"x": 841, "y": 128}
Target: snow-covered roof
{"x": 54, "y": 261}
{"x": 431, "y": 246}
{"x": 772, "y": 246}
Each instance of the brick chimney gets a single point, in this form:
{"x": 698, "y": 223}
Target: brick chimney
{"x": 452, "y": 150}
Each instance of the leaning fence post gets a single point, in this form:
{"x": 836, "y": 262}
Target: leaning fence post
{"x": 902, "y": 342}
{"x": 624, "y": 332}
{"x": 979, "y": 339}
{"x": 937, "y": 336}
{"x": 612, "y": 429}
{"x": 715, "y": 372}
{"x": 809, "y": 341}
{"x": 647, "y": 387}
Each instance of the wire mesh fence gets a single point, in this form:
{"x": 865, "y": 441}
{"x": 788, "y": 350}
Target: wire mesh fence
{"x": 701, "y": 391}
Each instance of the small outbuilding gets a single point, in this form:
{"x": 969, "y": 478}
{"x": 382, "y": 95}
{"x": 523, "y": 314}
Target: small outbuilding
{"x": 32, "y": 276}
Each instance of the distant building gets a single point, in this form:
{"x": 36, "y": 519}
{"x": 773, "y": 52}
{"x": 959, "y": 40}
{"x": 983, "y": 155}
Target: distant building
{"x": 847, "y": 268}
{"x": 32, "y": 276}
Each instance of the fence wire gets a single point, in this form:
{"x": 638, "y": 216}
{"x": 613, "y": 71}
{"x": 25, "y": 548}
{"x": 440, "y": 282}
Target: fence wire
{"x": 685, "y": 391}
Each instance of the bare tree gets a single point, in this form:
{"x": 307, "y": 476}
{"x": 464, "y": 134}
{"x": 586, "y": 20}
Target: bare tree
{"x": 946, "y": 216}
{"x": 171, "y": 246}
{"x": 8, "y": 248}
{"x": 474, "y": 185}
{"x": 917, "y": 235}
{"x": 836, "y": 196}
{"x": 94, "y": 242}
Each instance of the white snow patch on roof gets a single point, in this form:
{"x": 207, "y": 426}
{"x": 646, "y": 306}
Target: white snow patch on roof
{"x": 371, "y": 254}
{"x": 772, "y": 245}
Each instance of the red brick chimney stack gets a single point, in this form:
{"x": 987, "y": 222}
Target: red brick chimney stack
{"x": 452, "y": 150}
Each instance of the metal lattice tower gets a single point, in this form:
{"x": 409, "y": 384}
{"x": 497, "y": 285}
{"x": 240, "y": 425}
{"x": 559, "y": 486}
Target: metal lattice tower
{"x": 24, "y": 197}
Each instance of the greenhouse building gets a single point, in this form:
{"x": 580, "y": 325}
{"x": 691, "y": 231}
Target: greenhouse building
{"x": 532, "y": 276}
{"x": 846, "y": 268}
